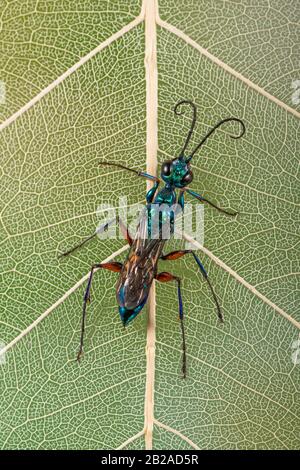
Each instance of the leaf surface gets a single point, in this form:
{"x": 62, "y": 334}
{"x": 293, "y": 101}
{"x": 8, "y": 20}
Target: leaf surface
{"x": 242, "y": 389}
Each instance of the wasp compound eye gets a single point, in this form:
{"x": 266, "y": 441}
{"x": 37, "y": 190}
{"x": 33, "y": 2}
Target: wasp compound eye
{"x": 187, "y": 179}
{"x": 166, "y": 168}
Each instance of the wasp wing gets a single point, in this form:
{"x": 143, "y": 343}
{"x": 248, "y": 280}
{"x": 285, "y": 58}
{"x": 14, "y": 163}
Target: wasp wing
{"x": 140, "y": 266}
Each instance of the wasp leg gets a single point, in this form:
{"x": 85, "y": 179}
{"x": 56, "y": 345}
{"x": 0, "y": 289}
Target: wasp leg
{"x": 101, "y": 229}
{"x": 167, "y": 277}
{"x": 150, "y": 194}
{"x": 112, "y": 266}
{"x": 178, "y": 254}
{"x": 143, "y": 174}
{"x": 125, "y": 231}
{"x": 203, "y": 199}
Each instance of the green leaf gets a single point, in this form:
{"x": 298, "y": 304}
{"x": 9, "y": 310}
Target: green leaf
{"x": 242, "y": 389}
{"x": 40, "y": 41}
{"x": 257, "y": 38}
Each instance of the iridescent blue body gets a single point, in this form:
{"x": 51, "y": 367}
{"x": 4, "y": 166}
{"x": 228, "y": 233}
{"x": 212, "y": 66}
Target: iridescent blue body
{"x": 155, "y": 227}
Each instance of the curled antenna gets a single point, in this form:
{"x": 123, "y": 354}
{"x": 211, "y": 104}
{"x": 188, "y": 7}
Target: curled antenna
{"x": 213, "y": 130}
{"x": 178, "y": 113}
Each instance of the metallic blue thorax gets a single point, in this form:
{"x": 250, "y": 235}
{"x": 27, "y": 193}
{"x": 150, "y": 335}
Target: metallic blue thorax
{"x": 166, "y": 196}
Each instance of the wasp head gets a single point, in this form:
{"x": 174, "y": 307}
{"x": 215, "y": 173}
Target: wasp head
{"x": 176, "y": 173}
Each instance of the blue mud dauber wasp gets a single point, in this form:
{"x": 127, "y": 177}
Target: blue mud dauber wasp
{"x": 146, "y": 248}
